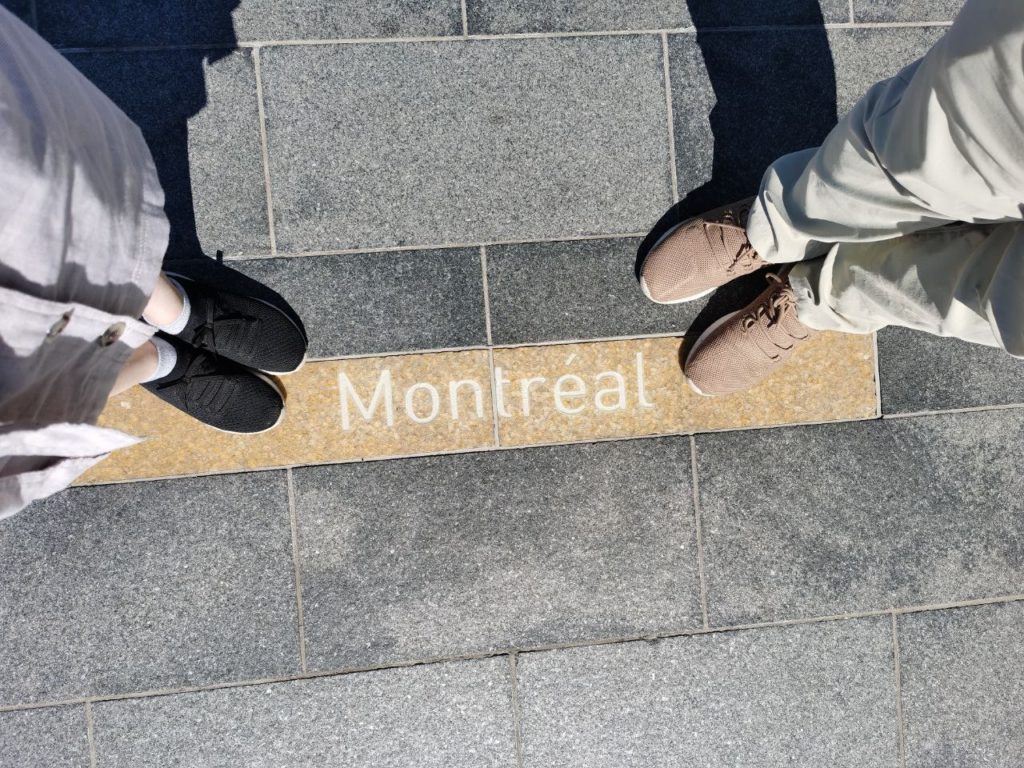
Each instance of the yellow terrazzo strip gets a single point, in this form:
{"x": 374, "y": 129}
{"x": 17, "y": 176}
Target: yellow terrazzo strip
{"x": 347, "y": 410}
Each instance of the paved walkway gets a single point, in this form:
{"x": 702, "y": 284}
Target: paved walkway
{"x": 563, "y": 558}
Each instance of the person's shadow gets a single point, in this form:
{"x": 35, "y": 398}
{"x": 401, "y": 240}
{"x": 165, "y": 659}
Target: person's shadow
{"x": 775, "y": 92}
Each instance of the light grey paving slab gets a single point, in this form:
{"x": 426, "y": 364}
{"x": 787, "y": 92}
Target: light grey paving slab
{"x": 382, "y": 302}
{"x": 139, "y": 586}
{"x": 573, "y": 290}
{"x": 809, "y": 695}
{"x": 198, "y": 111}
{"x": 44, "y": 738}
{"x": 455, "y": 715}
{"x": 831, "y": 519}
{"x": 962, "y": 677}
{"x": 465, "y": 142}
{"x": 424, "y": 558}
{"x": 906, "y": 10}
{"x": 496, "y": 17}
{"x": 101, "y": 23}
{"x": 919, "y": 372}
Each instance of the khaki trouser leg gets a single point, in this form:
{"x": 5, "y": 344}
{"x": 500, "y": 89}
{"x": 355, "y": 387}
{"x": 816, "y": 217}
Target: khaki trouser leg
{"x": 941, "y": 142}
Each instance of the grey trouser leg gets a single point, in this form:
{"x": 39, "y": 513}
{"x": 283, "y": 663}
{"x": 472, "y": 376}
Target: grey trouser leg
{"x": 941, "y": 142}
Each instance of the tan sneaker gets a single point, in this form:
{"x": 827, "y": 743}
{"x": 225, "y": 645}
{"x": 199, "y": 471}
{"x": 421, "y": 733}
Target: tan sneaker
{"x": 700, "y": 255}
{"x": 743, "y": 348}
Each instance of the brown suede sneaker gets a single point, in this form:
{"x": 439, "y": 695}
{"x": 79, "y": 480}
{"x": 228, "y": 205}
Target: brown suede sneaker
{"x": 743, "y": 348}
{"x": 700, "y": 255}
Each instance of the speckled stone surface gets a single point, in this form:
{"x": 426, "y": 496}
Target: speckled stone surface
{"x": 465, "y": 142}
{"x": 637, "y": 387}
{"x": 315, "y": 428}
{"x": 150, "y": 585}
{"x": 450, "y": 555}
{"x": 963, "y": 683}
{"x": 177, "y": 22}
{"x": 920, "y": 372}
{"x": 812, "y": 695}
{"x": 441, "y": 716}
{"x": 199, "y": 113}
{"x": 906, "y": 10}
{"x": 371, "y": 303}
{"x": 496, "y": 17}
{"x": 831, "y": 519}
{"x": 20, "y": 8}
{"x": 573, "y": 290}
{"x": 44, "y": 738}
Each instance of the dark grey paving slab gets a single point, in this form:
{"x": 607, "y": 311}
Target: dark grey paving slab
{"x": 920, "y": 372}
{"x": 443, "y": 715}
{"x": 44, "y": 738}
{"x": 20, "y": 8}
{"x": 225, "y": 22}
{"x": 963, "y": 683}
{"x": 138, "y": 586}
{"x": 809, "y": 695}
{"x": 382, "y": 302}
{"x": 830, "y": 519}
{"x": 422, "y": 558}
{"x": 906, "y": 10}
{"x": 465, "y": 142}
{"x": 198, "y": 111}
{"x": 581, "y": 289}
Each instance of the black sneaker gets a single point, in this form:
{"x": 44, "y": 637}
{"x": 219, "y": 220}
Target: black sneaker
{"x": 245, "y": 329}
{"x": 218, "y": 391}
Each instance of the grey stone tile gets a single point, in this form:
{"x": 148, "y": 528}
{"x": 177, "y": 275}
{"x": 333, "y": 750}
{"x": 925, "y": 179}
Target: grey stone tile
{"x": 20, "y": 8}
{"x": 382, "y": 302}
{"x": 809, "y": 695}
{"x": 225, "y": 22}
{"x": 443, "y": 715}
{"x": 962, "y": 675}
{"x": 496, "y": 17}
{"x": 198, "y": 111}
{"x": 573, "y": 290}
{"x": 421, "y": 558}
{"x": 720, "y": 81}
{"x": 139, "y": 586}
{"x": 44, "y": 738}
{"x": 920, "y": 372}
{"x": 906, "y": 10}
{"x": 465, "y": 142}
{"x": 830, "y": 519}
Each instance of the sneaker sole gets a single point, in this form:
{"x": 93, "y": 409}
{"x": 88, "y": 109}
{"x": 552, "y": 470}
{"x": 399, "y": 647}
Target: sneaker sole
{"x": 701, "y": 340}
{"x": 643, "y": 282}
{"x": 276, "y": 309}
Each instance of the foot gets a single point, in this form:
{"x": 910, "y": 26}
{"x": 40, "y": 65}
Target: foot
{"x": 699, "y": 255}
{"x": 743, "y": 348}
{"x": 247, "y": 330}
{"x": 219, "y": 392}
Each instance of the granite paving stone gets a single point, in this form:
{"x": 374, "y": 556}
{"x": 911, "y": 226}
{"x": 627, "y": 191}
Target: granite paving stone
{"x": 580, "y": 289}
{"x": 465, "y": 142}
{"x": 422, "y": 558}
{"x": 371, "y": 302}
{"x": 456, "y": 715}
{"x": 178, "y": 22}
{"x": 20, "y": 8}
{"x": 830, "y": 519}
{"x": 142, "y": 586}
{"x": 498, "y": 17}
{"x": 44, "y": 738}
{"x": 962, "y": 677}
{"x": 906, "y": 10}
{"x": 809, "y": 695}
{"x": 920, "y": 372}
{"x": 198, "y": 110}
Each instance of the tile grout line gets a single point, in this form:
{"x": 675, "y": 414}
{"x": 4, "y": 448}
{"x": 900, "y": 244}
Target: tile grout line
{"x": 878, "y": 376}
{"x": 477, "y": 656}
{"x": 701, "y": 576}
{"x": 300, "y": 622}
{"x": 951, "y": 411}
{"x": 33, "y": 14}
{"x": 509, "y": 36}
{"x": 517, "y": 717}
{"x": 898, "y": 677}
{"x": 490, "y": 349}
{"x": 853, "y": 18}
{"x": 487, "y": 294}
{"x": 265, "y": 150}
{"x": 465, "y": 19}
{"x": 90, "y": 735}
{"x": 671, "y": 119}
